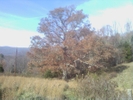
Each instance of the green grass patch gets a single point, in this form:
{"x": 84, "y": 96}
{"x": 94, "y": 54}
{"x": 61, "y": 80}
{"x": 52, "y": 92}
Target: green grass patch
{"x": 125, "y": 78}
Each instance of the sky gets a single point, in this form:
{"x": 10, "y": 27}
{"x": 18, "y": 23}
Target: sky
{"x": 19, "y": 18}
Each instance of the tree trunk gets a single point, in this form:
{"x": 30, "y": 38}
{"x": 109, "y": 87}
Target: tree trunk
{"x": 64, "y": 77}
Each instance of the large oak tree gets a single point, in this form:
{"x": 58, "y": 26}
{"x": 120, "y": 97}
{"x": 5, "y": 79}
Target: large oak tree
{"x": 67, "y": 37}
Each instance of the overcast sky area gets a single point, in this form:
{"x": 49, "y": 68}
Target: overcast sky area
{"x": 19, "y": 18}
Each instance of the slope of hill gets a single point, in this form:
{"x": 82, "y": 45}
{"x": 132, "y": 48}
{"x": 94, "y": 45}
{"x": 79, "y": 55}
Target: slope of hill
{"x": 125, "y": 78}
{"x": 11, "y": 51}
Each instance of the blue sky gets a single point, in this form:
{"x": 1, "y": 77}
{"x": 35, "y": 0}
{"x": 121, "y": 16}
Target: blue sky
{"x": 19, "y": 18}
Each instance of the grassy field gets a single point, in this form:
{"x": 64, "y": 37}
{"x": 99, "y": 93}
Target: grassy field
{"x": 24, "y": 87}
{"x": 125, "y": 78}
{"x": 28, "y": 88}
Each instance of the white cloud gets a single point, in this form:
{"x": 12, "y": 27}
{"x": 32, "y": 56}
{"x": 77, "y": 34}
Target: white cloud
{"x": 120, "y": 15}
{"x": 15, "y": 38}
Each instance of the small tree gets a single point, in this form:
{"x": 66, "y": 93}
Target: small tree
{"x": 1, "y": 68}
{"x": 132, "y": 46}
{"x": 2, "y": 62}
{"x": 126, "y": 51}
{"x": 1, "y": 58}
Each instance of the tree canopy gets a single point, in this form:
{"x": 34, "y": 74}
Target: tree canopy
{"x": 68, "y": 36}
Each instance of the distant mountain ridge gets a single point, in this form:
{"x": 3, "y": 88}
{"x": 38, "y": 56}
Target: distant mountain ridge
{"x": 11, "y": 51}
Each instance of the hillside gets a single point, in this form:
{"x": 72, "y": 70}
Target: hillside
{"x": 9, "y": 57}
{"x": 10, "y": 51}
{"x": 125, "y": 78}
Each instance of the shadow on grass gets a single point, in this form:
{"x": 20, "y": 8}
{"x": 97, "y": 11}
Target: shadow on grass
{"x": 117, "y": 69}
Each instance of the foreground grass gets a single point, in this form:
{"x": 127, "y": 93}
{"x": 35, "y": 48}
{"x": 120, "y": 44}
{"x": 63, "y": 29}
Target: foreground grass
{"x": 21, "y": 86}
{"x": 29, "y": 88}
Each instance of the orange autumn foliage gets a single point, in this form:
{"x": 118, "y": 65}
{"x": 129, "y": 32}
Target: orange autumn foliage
{"x": 68, "y": 37}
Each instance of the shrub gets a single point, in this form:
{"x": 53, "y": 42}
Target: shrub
{"x": 57, "y": 74}
{"x": 1, "y": 68}
{"x": 48, "y": 74}
{"x": 29, "y": 96}
{"x": 94, "y": 88}
{"x": 126, "y": 51}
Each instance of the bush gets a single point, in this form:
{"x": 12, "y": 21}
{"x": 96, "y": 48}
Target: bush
{"x": 29, "y": 96}
{"x": 1, "y": 68}
{"x": 52, "y": 73}
{"x": 94, "y": 88}
{"x": 48, "y": 74}
{"x": 126, "y": 51}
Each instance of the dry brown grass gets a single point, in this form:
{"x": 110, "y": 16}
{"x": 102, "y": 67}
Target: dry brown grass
{"x": 23, "y": 87}
{"x": 50, "y": 88}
